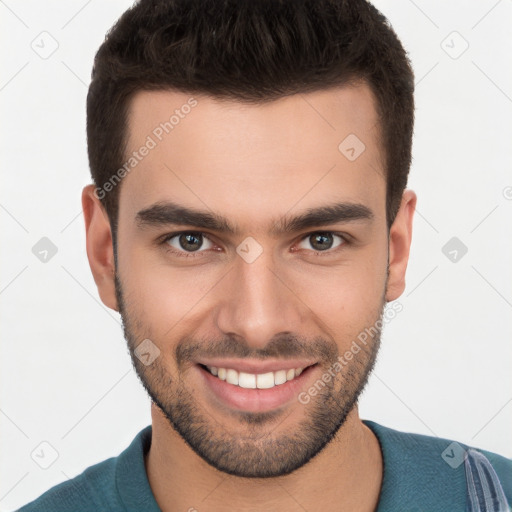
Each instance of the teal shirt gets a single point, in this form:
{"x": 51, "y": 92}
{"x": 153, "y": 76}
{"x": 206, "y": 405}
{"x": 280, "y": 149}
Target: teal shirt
{"x": 421, "y": 474}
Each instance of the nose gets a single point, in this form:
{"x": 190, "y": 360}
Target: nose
{"x": 257, "y": 303}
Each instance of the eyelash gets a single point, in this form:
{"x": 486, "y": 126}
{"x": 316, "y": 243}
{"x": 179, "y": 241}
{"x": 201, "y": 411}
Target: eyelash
{"x": 184, "y": 254}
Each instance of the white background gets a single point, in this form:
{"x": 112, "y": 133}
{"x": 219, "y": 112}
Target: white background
{"x": 444, "y": 367}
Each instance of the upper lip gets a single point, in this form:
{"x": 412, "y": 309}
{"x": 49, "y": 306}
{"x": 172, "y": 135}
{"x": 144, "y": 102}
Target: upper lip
{"x": 254, "y": 366}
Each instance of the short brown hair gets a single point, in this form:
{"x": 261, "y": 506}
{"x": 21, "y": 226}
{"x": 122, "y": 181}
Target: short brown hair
{"x": 251, "y": 51}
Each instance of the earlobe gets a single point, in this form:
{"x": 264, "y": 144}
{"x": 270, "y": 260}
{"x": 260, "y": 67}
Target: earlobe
{"x": 400, "y": 237}
{"x": 100, "y": 251}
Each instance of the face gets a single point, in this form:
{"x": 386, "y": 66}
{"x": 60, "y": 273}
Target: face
{"x": 252, "y": 252}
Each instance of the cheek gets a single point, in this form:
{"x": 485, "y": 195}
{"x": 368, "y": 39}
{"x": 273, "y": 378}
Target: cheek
{"x": 349, "y": 297}
{"x": 345, "y": 297}
{"x": 159, "y": 295}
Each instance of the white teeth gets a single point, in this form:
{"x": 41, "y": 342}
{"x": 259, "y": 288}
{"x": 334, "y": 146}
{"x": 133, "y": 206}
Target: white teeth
{"x": 252, "y": 381}
{"x": 265, "y": 380}
{"x": 280, "y": 377}
{"x": 232, "y": 377}
{"x": 247, "y": 380}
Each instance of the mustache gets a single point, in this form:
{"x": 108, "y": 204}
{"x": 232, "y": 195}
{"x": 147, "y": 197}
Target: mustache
{"x": 281, "y": 346}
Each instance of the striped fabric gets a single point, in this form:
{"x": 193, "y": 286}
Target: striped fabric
{"x": 485, "y": 493}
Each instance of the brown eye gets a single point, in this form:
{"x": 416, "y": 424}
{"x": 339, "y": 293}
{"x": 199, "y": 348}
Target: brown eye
{"x": 322, "y": 241}
{"x": 188, "y": 242}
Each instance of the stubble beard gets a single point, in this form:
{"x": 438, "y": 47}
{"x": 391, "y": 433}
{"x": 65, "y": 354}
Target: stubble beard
{"x": 260, "y": 448}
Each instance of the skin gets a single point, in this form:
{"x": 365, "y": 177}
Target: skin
{"x": 254, "y": 164}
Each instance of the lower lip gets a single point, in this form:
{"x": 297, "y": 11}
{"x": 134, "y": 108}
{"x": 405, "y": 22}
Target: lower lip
{"x": 256, "y": 400}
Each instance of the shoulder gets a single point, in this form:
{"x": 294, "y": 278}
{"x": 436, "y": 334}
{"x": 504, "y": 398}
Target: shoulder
{"x": 118, "y": 483}
{"x": 438, "y": 472}
{"x": 94, "y": 487}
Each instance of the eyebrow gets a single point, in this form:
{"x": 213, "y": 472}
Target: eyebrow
{"x": 167, "y": 213}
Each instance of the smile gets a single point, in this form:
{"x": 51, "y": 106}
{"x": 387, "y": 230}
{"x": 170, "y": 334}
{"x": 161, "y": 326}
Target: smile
{"x": 252, "y": 380}
{"x": 255, "y": 386}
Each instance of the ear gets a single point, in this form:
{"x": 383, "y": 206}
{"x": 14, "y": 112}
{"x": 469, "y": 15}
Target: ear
{"x": 100, "y": 250}
{"x": 400, "y": 236}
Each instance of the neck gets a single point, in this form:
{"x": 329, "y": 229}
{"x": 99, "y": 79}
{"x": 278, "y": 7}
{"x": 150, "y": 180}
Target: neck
{"x": 345, "y": 475}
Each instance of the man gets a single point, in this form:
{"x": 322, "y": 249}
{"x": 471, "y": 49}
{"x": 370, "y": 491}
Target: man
{"x": 249, "y": 219}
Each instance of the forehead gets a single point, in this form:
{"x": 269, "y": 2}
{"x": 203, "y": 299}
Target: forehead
{"x": 247, "y": 159}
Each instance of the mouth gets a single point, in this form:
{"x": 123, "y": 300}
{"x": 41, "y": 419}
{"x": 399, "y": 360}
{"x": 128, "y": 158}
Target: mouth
{"x": 256, "y": 388}
{"x": 247, "y": 380}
